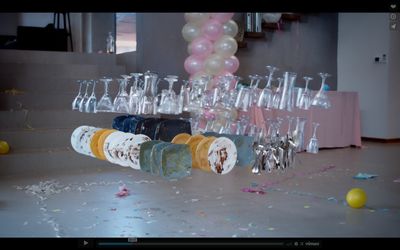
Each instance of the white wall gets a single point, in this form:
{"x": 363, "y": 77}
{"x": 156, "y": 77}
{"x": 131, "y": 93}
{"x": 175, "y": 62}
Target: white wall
{"x": 394, "y": 85}
{"x": 361, "y": 37}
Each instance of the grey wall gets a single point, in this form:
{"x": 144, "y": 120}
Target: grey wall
{"x": 305, "y": 47}
{"x": 308, "y": 47}
{"x": 128, "y": 59}
{"x": 8, "y": 24}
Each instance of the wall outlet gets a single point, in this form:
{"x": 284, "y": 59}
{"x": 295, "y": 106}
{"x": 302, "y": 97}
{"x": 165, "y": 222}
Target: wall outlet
{"x": 381, "y": 58}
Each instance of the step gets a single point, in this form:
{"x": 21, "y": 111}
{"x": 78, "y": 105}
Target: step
{"x": 55, "y": 57}
{"x": 50, "y": 161}
{"x": 80, "y": 71}
{"x": 49, "y": 83}
{"x": 38, "y": 119}
{"x": 27, "y": 139}
{"x": 43, "y": 100}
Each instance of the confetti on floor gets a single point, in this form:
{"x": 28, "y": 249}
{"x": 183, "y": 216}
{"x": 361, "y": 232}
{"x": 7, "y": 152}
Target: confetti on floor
{"x": 306, "y": 206}
{"x": 123, "y": 191}
{"x": 364, "y": 176}
{"x": 251, "y": 190}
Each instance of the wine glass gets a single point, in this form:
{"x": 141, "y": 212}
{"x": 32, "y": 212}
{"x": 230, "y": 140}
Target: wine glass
{"x": 321, "y": 98}
{"x": 312, "y": 146}
{"x": 243, "y": 100}
{"x": 265, "y": 99}
{"x": 78, "y": 98}
{"x": 277, "y": 95}
{"x": 305, "y": 99}
{"x": 134, "y": 94}
{"x": 91, "y": 102}
{"x": 168, "y": 103}
{"x": 105, "y": 104}
{"x": 82, "y": 104}
{"x": 121, "y": 101}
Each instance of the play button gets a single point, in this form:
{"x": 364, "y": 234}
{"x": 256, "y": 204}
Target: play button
{"x": 85, "y": 243}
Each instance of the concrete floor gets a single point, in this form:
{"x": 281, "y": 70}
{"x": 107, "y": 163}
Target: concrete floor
{"x": 306, "y": 201}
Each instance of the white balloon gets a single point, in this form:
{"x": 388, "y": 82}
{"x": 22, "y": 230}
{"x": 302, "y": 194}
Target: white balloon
{"x": 198, "y": 18}
{"x": 226, "y": 46}
{"x": 190, "y": 31}
{"x": 214, "y": 64}
{"x": 230, "y": 28}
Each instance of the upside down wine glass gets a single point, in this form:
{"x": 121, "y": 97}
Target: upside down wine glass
{"x": 265, "y": 99}
{"x": 105, "y": 104}
{"x": 82, "y": 104}
{"x": 78, "y": 98}
{"x": 305, "y": 99}
{"x": 135, "y": 94}
{"x": 91, "y": 102}
{"x": 312, "y": 146}
{"x": 321, "y": 98}
{"x": 121, "y": 101}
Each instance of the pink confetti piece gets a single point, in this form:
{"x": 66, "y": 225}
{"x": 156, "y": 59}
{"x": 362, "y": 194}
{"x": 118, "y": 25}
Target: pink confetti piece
{"x": 397, "y": 180}
{"x": 123, "y": 191}
{"x": 252, "y": 190}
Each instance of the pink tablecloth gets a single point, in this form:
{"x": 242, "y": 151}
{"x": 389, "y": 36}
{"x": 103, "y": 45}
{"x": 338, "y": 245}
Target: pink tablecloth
{"x": 339, "y": 125}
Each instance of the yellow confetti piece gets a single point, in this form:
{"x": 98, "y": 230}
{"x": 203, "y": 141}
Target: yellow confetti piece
{"x": 372, "y": 210}
{"x": 271, "y": 228}
{"x": 306, "y": 206}
{"x": 56, "y": 210}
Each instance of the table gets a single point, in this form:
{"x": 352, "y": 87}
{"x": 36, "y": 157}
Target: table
{"x": 339, "y": 126}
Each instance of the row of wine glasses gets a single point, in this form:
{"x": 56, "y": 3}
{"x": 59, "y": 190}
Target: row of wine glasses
{"x": 142, "y": 97}
{"x": 85, "y": 103}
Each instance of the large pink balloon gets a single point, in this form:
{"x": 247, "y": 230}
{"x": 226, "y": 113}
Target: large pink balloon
{"x": 194, "y": 64}
{"x": 201, "y": 46}
{"x": 212, "y": 29}
{"x": 231, "y": 64}
{"x": 222, "y": 17}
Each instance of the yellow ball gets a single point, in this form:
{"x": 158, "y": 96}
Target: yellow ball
{"x": 4, "y": 148}
{"x": 356, "y": 198}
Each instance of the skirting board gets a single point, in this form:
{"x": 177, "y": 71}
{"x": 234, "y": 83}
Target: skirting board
{"x": 394, "y": 140}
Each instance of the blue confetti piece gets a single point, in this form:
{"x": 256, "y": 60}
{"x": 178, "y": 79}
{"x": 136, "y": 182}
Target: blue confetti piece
{"x": 364, "y": 176}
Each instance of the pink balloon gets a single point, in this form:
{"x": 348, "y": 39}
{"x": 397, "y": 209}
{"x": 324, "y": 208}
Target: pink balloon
{"x": 231, "y": 64}
{"x": 194, "y": 64}
{"x": 222, "y": 17}
{"x": 201, "y": 46}
{"x": 212, "y": 29}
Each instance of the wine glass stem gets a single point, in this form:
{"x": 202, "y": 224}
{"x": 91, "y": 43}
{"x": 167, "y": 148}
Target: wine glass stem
{"x": 323, "y": 83}
{"x": 94, "y": 87}
{"x": 80, "y": 88}
{"x": 315, "y": 131}
{"x": 106, "y": 87}
{"x": 306, "y": 88}
{"x": 87, "y": 87}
